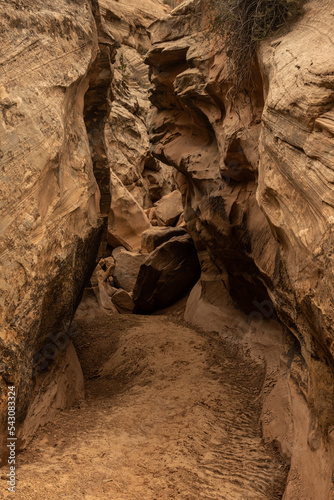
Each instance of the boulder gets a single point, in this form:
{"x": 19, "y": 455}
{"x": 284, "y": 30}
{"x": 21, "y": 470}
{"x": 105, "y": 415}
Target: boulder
{"x": 169, "y": 208}
{"x": 166, "y": 274}
{"x": 127, "y": 265}
{"x": 108, "y": 265}
{"x": 123, "y": 302}
{"x": 101, "y": 286}
{"x": 152, "y": 238}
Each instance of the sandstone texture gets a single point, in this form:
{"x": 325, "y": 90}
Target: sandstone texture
{"x": 93, "y": 176}
{"x": 55, "y": 390}
{"x": 127, "y": 265}
{"x": 256, "y": 173}
{"x": 126, "y": 133}
{"x": 152, "y": 238}
{"x": 64, "y": 184}
{"x": 126, "y": 220}
{"x": 49, "y": 195}
{"x": 169, "y": 208}
{"x": 123, "y": 302}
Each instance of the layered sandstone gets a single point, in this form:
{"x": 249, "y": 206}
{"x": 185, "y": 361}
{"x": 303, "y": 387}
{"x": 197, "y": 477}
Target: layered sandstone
{"x": 137, "y": 179}
{"x": 256, "y": 173}
{"x": 49, "y": 195}
{"x": 69, "y": 117}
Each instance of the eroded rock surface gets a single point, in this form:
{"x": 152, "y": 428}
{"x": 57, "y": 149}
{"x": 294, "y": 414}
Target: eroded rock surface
{"x": 61, "y": 186}
{"x": 126, "y": 134}
{"x": 127, "y": 265}
{"x": 154, "y": 237}
{"x": 169, "y": 209}
{"x": 49, "y": 220}
{"x": 55, "y": 390}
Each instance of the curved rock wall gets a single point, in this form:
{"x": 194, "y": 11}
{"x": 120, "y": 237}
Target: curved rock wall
{"x": 68, "y": 117}
{"x": 117, "y": 110}
{"x": 256, "y": 173}
{"x": 49, "y": 223}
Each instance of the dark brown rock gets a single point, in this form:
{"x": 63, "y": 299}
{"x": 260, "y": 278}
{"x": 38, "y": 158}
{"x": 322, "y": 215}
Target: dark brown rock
{"x": 152, "y": 238}
{"x": 166, "y": 274}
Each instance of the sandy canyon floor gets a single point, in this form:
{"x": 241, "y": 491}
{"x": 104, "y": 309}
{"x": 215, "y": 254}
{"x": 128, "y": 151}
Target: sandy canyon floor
{"x": 170, "y": 413}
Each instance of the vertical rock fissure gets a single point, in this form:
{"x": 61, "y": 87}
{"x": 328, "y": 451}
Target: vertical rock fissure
{"x": 97, "y": 106}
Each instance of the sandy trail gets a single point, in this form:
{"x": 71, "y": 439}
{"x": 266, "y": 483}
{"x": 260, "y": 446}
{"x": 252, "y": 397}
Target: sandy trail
{"x": 172, "y": 414}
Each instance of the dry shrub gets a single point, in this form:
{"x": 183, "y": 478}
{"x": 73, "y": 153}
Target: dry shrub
{"x": 242, "y": 24}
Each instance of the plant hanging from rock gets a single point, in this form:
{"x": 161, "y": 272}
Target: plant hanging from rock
{"x": 242, "y": 24}
{"x": 123, "y": 68}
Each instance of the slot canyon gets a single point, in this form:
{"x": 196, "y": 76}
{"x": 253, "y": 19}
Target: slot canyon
{"x": 166, "y": 254}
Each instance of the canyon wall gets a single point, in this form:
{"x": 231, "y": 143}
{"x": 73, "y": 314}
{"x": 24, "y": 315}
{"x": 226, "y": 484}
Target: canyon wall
{"x": 71, "y": 110}
{"x": 49, "y": 195}
{"x": 256, "y": 173}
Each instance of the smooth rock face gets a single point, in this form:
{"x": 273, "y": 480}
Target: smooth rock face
{"x": 152, "y": 238}
{"x": 126, "y": 220}
{"x": 169, "y": 208}
{"x": 127, "y": 265}
{"x": 123, "y": 302}
{"x": 256, "y": 175}
{"x": 166, "y": 274}
{"x": 49, "y": 224}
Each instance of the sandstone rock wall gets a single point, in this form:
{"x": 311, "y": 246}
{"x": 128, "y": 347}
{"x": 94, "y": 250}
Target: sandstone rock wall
{"x": 49, "y": 223}
{"x": 255, "y": 171}
{"x": 75, "y": 159}
{"x": 127, "y": 138}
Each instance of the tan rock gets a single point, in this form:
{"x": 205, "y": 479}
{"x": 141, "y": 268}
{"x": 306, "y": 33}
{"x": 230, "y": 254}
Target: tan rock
{"x": 169, "y": 208}
{"x": 181, "y": 222}
{"x": 57, "y": 389}
{"x": 127, "y": 219}
{"x": 49, "y": 196}
{"x": 257, "y": 178}
{"x": 126, "y": 133}
{"x": 123, "y": 302}
{"x": 127, "y": 268}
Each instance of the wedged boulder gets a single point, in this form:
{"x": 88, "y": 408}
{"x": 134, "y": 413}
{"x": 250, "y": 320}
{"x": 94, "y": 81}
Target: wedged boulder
{"x": 127, "y": 265}
{"x": 123, "y": 302}
{"x": 166, "y": 274}
{"x": 169, "y": 208}
{"x": 152, "y": 238}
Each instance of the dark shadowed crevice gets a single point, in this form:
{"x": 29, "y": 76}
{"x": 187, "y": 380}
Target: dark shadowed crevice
{"x": 97, "y": 106}
{"x": 96, "y": 111}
